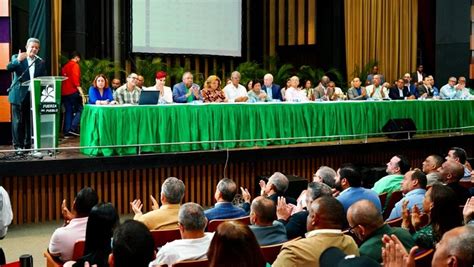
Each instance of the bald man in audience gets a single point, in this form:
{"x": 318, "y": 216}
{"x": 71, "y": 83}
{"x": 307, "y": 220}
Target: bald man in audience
{"x": 324, "y": 224}
{"x": 367, "y": 224}
{"x": 265, "y": 227}
{"x": 166, "y": 216}
{"x": 430, "y": 168}
{"x": 451, "y": 172}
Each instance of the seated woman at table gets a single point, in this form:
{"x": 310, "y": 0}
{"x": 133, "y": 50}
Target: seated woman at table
{"x": 212, "y": 91}
{"x": 295, "y": 93}
{"x": 100, "y": 92}
{"x": 256, "y": 94}
{"x": 166, "y": 96}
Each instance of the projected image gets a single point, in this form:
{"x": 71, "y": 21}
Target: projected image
{"x": 210, "y": 27}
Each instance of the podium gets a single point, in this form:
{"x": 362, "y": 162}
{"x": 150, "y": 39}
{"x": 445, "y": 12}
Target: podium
{"x": 45, "y": 112}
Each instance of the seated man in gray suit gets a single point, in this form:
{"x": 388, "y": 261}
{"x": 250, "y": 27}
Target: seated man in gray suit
{"x": 267, "y": 230}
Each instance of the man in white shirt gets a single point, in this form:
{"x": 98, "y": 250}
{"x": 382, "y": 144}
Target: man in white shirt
{"x": 376, "y": 90}
{"x": 451, "y": 90}
{"x": 234, "y": 91}
{"x": 6, "y": 213}
{"x": 194, "y": 243}
{"x": 295, "y": 93}
{"x": 75, "y": 222}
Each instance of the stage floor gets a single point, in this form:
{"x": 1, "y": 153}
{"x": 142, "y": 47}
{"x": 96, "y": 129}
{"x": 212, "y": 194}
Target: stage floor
{"x": 69, "y": 148}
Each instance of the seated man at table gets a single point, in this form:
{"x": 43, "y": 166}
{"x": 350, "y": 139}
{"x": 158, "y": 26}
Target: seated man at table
{"x": 376, "y": 90}
{"x": 129, "y": 93}
{"x": 272, "y": 90}
{"x": 400, "y": 92}
{"x": 186, "y": 91}
{"x": 234, "y": 91}
{"x": 256, "y": 94}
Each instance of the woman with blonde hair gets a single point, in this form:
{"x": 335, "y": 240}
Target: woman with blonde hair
{"x": 212, "y": 91}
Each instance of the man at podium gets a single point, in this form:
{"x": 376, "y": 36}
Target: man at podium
{"x": 25, "y": 66}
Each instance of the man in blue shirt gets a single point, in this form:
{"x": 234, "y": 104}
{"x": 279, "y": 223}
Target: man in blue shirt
{"x": 186, "y": 91}
{"x": 414, "y": 189}
{"x": 224, "y": 209}
{"x": 349, "y": 180}
{"x": 450, "y": 90}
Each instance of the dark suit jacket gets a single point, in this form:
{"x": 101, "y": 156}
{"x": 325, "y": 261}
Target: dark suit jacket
{"x": 296, "y": 224}
{"x": 422, "y": 90}
{"x": 17, "y": 92}
{"x": 395, "y": 95}
{"x": 414, "y": 77}
{"x": 276, "y": 91}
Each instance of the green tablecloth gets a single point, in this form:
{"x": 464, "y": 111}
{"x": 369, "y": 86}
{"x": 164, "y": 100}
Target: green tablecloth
{"x": 145, "y": 125}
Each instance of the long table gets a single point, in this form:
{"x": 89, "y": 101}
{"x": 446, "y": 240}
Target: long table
{"x": 128, "y": 130}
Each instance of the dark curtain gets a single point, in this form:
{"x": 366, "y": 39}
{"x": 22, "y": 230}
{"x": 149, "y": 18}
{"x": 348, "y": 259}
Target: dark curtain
{"x": 426, "y": 35}
{"x": 40, "y": 26}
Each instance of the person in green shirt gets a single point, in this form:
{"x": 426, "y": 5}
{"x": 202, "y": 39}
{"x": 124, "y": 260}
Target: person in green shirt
{"x": 366, "y": 222}
{"x": 396, "y": 169}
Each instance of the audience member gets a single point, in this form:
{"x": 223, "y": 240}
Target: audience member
{"x": 451, "y": 172}
{"x": 335, "y": 257}
{"x": 396, "y": 168}
{"x": 430, "y": 168}
{"x": 186, "y": 91}
{"x": 132, "y": 245}
{"x": 458, "y": 154}
{"x": 166, "y": 216}
{"x": 212, "y": 91}
{"x": 63, "y": 239}
{"x": 441, "y": 213}
{"x": 100, "y": 92}
{"x": 165, "y": 96}
{"x": 322, "y": 92}
{"x": 376, "y": 90}
{"x": 324, "y": 224}
{"x": 99, "y": 231}
{"x": 236, "y": 92}
{"x": 454, "y": 249}
{"x": 6, "y": 213}
{"x": 371, "y": 76}
{"x": 226, "y": 190}
{"x": 326, "y": 175}
{"x": 276, "y": 186}
{"x": 129, "y": 93}
{"x": 272, "y": 90}
{"x": 194, "y": 242}
{"x": 265, "y": 227}
{"x": 414, "y": 190}
{"x": 294, "y": 93}
{"x": 468, "y": 211}
{"x": 234, "y": 245}
{"x": 294, "y": 218}
{"x": 349, "y": 182}
{"x": 356, "y": 92}
{"x": 72, "y": 96}
{"x": 366, "y": 222}
{"x": 256, "y": 94}
{"x": 451, "y": 90}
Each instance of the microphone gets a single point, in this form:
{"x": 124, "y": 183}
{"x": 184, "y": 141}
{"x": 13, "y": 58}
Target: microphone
{"x": 36, "y": 56}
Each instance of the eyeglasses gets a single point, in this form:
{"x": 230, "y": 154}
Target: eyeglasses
{"x": 351, "y": 229}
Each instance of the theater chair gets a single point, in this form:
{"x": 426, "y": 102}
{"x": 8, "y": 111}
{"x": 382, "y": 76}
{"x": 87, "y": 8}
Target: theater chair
{"x": 423, "y": 257}
{"x": 271, "y": 252}
{"x": 395, "y": 222}
{"x": 394, "y": 198}
{"x": 161, "y": 237}
{"x": 212, "y": 226}
{"x": 383, "y": 198}
{"x": 192, "y": 263}
{"x": 78, "y": 252}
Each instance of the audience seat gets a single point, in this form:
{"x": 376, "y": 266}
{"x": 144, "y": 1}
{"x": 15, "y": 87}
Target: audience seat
{"x": 52, "y": 261}
{"x": 212, "y": 226}
{"x": 383, "y": 198}
{"x": 423, "y": 257}
{"x": 192, "y": 263}
{"x": 395, "y": 222}
{"x": 271, "y": 252}
{"x": 394, "y": 198}
{"x": 161, "y": 237}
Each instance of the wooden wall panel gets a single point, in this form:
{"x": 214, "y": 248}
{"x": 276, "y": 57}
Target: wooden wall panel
{"x": 38, "y": 198}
